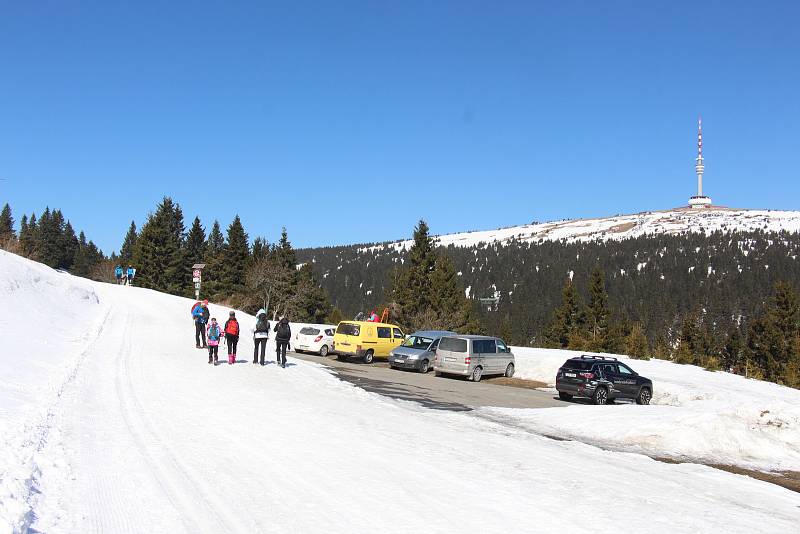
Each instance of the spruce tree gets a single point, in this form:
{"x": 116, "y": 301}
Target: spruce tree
{"x": 566, "y": 329}
{"x": 597, "y": 312}
{"x": 449, "y": 307}
{"x": 157, "y": 255}
{"x": 636, "y": 343}
{"x": 6, "y": 226}
{"x": 70, "y": 246}
{"x": 195, "y": 245}
{"x": 412, "y": 290}
{"x": 126, "y": 252}
{"x": 214, "y": 259}
{"x": 237, "y": 253}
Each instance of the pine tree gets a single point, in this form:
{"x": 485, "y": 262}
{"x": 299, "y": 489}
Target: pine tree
{"x": 449, "y": 308}
{"x": 569, "y": 320}
{"x": 126, "y": 252}
{"x": 237, "y": 253}
{"x": 412, "y": 290}
{"x": 157, "y": 255}
{"x": 70, "y": 246}
{"x": 30, "y": 240}
{"x": 636, "y": 343}
{"x": 598, "y": 312}
{"x": 336, "y": 316}
{"x": 309, "y": 302}
{"x": 214, "y": 259}
{"x": 7, "y": 233}
{"x": 259, "y": 250}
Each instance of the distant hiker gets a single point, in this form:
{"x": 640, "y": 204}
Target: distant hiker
{"x": 260, "y": 335}
{"x": 283, "y": 335}
{"x": 231, "y": 337}
{"x": 200, "y": 315}
{"x": 214, "y": 336}
{"x": 118, "y": 274}
{"x": 131, "y": 273}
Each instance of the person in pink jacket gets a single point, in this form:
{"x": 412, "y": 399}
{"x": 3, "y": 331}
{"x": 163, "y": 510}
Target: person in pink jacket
{"x": 213, "y": 335}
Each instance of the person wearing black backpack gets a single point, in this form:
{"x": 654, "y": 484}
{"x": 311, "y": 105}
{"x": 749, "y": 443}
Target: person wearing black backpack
{"x": 283, "y": 335}
{"x": 260, "y": 335}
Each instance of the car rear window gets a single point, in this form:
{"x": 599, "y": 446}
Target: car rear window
{"x": 348, "y": 329}
{"x": 578, "y": 365}
{"x": 308, "y": 331}
{"x": 453, "y": 344}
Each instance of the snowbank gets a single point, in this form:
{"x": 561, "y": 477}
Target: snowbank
{"x": 696, "y": 415}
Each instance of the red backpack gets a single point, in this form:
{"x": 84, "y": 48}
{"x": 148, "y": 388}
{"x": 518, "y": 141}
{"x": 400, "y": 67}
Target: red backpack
{"x": 232, "y": 327}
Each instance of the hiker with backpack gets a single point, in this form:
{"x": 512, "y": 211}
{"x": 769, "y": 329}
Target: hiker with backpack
{"x": 200, "y": 314}
{"x": 260, "y": 335}
{"x": 131, "y": 273}
{"x": 283, "y": 335}
{"x": 118, "y": 274}
{"x": 232, "y": 337}
{"x": 214, "y": 335}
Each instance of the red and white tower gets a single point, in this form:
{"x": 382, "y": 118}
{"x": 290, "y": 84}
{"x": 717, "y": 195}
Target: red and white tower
{"x": 699, "y": 200}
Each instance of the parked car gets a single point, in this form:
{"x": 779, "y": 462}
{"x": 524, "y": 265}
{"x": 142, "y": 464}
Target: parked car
{"x": 317, "y": 339}
{"x": 473, "y": 357}
{"x": 417, "y": 351}
{"x": 366, "y": 340}
{"x": 602, "y": 379}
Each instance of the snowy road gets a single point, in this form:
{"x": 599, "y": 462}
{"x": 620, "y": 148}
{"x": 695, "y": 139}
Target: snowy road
{"x": 144, "y": 436}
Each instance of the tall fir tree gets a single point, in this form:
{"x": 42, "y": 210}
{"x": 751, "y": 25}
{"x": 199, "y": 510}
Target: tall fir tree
{"x": 449, "y": 307}
{"x": 7, "y": 233}
{"x": 158, "y": 254}
{"x": 126, "y": 252}
{"x": 214, "y": 259}
{"x": 237, "y": 254}
{"x": 598, "y": 312}
{"x": 412, "y": 288}
{"x": 567, "y": 328}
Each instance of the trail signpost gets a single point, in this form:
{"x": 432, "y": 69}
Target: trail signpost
{"x": 197, "y": 275}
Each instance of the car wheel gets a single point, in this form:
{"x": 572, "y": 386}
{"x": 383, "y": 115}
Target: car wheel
{"x": 323, "y": 351}
{"x": 600, "y": 396}
{"x": 644, "y": 396}
{"x": 509, "y": 370}
{"x": 368, "y": 356}
{"x": 564, "y": 396}
{"x": 424, "y": 367}
{"x": 477, "y": 373}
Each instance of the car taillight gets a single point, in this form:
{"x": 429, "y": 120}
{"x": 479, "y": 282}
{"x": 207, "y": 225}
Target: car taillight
{"x": 317, "y": 339}
{"x": 587, "y": 375}
{"x": 467, "y": 360}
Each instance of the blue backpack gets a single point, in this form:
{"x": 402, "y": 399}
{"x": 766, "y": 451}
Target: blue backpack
{"x": 213, "y": 333}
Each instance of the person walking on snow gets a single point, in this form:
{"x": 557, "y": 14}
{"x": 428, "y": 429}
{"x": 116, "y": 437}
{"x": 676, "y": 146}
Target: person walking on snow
{"x": 260, "y": 335}
{"x": 214, "y": 337}
{"x": 118, "y": 274}
{"x": 284, "y": 334}
{"x": 200, "y": 315}
{"x": 131, "y": 273}
{"x": 232, "y": 337}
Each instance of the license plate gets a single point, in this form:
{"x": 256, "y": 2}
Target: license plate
{"x": 571, "y": 375}
{"x": 302, "y": 346}
{"x": 450, "y": 359}
{"x": 399, "y": 361}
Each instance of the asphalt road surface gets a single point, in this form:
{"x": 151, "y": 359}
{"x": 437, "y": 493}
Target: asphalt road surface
{"x": 440, "y": 393}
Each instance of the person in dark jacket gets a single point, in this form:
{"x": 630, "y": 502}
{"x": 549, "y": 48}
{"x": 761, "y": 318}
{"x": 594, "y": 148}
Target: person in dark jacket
{"x": 283, "y": 334}
{"x": 200, "y": 314}
{"x": 260, "y": 335}
{"x": 231, "y": 336}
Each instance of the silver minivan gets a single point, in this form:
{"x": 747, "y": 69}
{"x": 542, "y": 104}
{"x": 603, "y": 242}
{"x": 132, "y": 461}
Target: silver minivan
{"x": 473, "y": 357}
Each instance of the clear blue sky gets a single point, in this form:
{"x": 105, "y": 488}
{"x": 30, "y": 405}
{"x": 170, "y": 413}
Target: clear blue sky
{"x": 348, "y": 121}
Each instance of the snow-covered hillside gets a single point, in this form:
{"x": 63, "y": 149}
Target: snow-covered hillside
{"x": 113, "y": 422}
{"x": 677, "y": 221}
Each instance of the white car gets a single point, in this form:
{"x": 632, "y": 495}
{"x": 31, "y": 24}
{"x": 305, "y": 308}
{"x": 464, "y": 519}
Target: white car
{"x": 317, "y": 339}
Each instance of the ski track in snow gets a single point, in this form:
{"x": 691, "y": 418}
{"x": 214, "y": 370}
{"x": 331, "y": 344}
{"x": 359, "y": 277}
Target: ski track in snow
{"x": 144, "y": 436}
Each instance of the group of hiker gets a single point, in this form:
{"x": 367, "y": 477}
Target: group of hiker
{"x": 209, "y": 334}
{"x": 124, "y": 276}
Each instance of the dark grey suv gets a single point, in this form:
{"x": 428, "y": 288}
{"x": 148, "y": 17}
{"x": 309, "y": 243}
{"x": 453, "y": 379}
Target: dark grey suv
{"x": 602, "y": 379}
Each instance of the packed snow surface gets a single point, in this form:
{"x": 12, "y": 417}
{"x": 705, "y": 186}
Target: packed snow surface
{"x": 695, "y": 415}
{"x": 113, "y": 422}
{"x": 677, "y": 221}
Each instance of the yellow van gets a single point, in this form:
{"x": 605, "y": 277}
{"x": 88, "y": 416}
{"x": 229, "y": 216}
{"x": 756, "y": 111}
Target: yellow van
{"x": 364, "y": 339}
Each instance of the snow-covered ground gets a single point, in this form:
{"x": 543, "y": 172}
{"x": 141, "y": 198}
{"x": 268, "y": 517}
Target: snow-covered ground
{"x": 695, "y": 415}
{"x": 677, "y": 221}
{"x": 113, "y": 422}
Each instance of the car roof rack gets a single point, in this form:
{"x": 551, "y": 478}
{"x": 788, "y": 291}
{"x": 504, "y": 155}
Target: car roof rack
{"x": 587, "y": 357}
